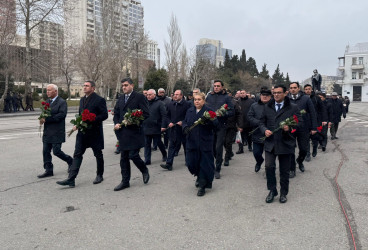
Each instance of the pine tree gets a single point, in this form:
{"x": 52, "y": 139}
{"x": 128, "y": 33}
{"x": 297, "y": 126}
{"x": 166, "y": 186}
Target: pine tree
{"x": 227, "y": 63}
{"x": 264, "y": 73}
{"x": 287, "y": 79}
{"x": 235, "y": 65}
{"x": 243, "y": 61}
{"x": 252, "y": 67}
{"x": 277, "y": 77}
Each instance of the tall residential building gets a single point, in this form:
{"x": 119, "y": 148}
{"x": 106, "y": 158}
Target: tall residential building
{"x": 353, "y": 67}
{"x": 153, "y": 52}
{"x": 212, "y": 50}
{"x": 50, "y": 36}
{"x": 8, "y": 18}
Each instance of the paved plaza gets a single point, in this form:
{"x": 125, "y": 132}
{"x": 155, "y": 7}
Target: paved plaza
{"x": 166, "y": 213}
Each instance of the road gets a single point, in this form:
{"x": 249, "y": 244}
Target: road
{"x": 166, "y": 213}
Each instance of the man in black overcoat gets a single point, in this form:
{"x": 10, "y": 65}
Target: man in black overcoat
{"x": 338, "y": 110}
{"x": 54, "y": 131}
{"x": 131, "y": 137}
{"x": 92, "y": 138}
{"x": 280, "y": 143}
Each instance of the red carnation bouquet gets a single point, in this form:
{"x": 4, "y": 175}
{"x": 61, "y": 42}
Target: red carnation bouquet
{"x": 291, "y": 122}
{"x": 45, "y": 112}
{"x": 83, "y": 121}
{"x": 207, "y": 116}
{"x": 133, "y": 117}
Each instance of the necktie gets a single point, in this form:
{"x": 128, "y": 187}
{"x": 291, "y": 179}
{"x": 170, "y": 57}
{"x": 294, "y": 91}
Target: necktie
{"x": 126, "y": 98}
{"x": 278, "y": 107}
{"x": 294, "y": 97}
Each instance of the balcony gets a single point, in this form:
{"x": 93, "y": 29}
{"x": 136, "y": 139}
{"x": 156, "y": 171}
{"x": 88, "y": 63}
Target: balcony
{"x": 357, "y": 66}
{"x": 341, "y": 68}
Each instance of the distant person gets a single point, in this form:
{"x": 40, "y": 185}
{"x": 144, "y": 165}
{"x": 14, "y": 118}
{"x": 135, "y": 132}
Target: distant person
{"x": 316, "y": 81}
{"x": 347, "y": 103}
{"x": 15, "y": 102}
{"x": 20, "y": 100}
{"x": 54, "y": 131}
{"x": 29, "y": 102}
{"x": 338, "y": 110}
{"x": 161, "y": 95}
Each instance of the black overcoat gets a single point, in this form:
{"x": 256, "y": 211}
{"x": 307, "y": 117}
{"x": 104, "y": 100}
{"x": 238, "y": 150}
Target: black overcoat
{"x": 54, "y": 126}
{"x": 157, "y": 118}
{"x": 199, "y": 143}
{"x": 93, "y": 137}
{"x": 280, "y": 141}
{"x": 131, "y": 137}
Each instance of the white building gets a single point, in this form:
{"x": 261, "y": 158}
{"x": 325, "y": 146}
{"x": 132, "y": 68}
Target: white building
{"x": 153, "y": 52}
{"x": 353, "y": 67}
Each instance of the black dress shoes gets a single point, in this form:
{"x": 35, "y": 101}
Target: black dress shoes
{"x": 257, "y": 168}
{"x": 146, "y": 177}
{"x": 226, "y": 162}
{"x": 166, "y": 166}
{"x": 250, "y": 149}
{"x": 323, "y": 149}
{"x": 197, "y": 183}
{"x": 98, "y": 179}
{"x": 201, "y": 192}
{"x": 239, "y": 152}
{"x": 147, "y": 163}
{"x": 67, "y": 182}
{"x": 117, "y": 151}
{"x": 121, "y": 186}
{"x": 271, "y": 195}
{"x": 217, "y": 175}
{"x": 292, "y": 174}
{"x": 308, "y": 158}
{"x": 301, "y": 166}
{"x": 46, "y": 174}
{"x": 283, "y": 198}
{"x": 164, "y": 158}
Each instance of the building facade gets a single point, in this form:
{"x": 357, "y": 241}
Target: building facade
{"x": 327, "y": 85}
{"x": 153, "y": 52}
{"x": 212, "y": 50}
{"x": 353, "y": 67}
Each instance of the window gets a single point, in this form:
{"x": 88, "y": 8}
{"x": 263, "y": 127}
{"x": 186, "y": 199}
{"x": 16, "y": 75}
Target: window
{"x": 354, "y": 61}
{"x": 360, "y": 75}
{"x": 353, "y": 75}
{"x": 360, "y": 60}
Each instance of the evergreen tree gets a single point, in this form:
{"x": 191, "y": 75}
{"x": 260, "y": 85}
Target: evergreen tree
{"x": 277, "y": 77}
{"x": 235, "y": 63}
{"x": 264, "y": 73}
{"x": 287, "y": 79}
{"x": 243, "y": 61}
{"x": 156, "y": 79}
{"x": 227, "y": 63}
{"x": 252, "y": 67}
{"x": 183, "y": 86}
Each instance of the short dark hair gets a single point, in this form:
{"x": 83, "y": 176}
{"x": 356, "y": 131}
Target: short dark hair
{"x": 93, "y": 84}
{"x": 322, "y": 94}
{"x": 181, "y": 91}
{"x": 127, "y": 79}
{"x": 281, "y": 86}
{"x": 297, "y": 83}
{"x": 307, "y": 85}
{"x": 222, "y": 84}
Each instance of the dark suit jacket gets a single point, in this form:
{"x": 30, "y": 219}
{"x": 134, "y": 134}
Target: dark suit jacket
{"x": 280, "y": 141}
{"x": 54, "y": 126}
{"x": 157, "y": 118}
{"x": 94, "y": 136}
{"x": 130, "y": 137}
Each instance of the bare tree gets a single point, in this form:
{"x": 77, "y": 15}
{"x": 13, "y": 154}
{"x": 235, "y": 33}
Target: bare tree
{"x": 30, "y": 14}
{"x": 184, "y": 64}
{"x": 172, "y": 50}
{"x": 7, "y": 35}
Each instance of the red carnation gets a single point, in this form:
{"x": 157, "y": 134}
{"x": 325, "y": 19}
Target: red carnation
{"x": 86, "y": 111}
{"x": 46, "y": 107}
{"x": 295, "y": 118}
{"x": 319, "y": 128}
{"x": 109, "y": 110}
{"x": 293, "y": 131}
{"x": 225, "y": 106}
{"x": 92, "y": 117}
{"x": 84, "y": 118}
{"x": 212, "y": 114}
{"x": 43, "y": 103}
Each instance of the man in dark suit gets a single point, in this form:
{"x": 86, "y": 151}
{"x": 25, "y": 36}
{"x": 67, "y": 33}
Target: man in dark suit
{"x": 92, "y": 138}
{"x": 54, "y": 131}
{"x": 131, "y": 137}
{"x": 280, "y": 143}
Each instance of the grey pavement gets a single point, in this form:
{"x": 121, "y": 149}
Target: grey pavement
{"x": 166, "y": 213}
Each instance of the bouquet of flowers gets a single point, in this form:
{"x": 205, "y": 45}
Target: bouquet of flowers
{"x": 133, "y": 117}
{"x": 207, "y": 115}
{"x": 83, "y": 121}
{"x": 45, "y": 112}
{"x": 291, "y": 122}
{"x": 222, "y": 110}
{"x": 319, "y": 129}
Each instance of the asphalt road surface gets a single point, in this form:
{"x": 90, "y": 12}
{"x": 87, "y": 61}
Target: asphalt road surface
{"x": 166, "y": 213}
